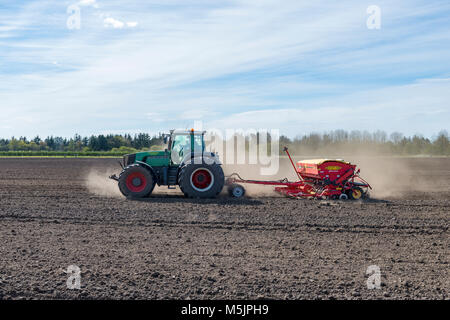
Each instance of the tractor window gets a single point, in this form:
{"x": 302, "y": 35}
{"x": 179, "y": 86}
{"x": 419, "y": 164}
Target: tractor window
{"x": 198, "y": 142}
{"x": 182, "y": 146}
{"x": 180, "y": 141}
{"x": 184, "y": 141}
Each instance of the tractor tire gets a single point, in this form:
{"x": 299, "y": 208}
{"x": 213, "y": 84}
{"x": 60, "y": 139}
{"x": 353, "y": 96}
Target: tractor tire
{"x": 136, "y": 181}
{"x": 356, "y": 193}
{"x": 201, "y": 180}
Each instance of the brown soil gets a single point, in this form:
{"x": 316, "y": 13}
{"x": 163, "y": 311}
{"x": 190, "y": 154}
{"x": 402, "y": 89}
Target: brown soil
{"x": 60, "y": 212}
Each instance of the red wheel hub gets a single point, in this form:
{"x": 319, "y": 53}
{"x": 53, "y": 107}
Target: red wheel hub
{"x": 136, "y": 182}
{"x": 201, "y": 179}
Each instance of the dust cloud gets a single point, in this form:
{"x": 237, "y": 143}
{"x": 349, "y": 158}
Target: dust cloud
{"x": 98, "y": 182}
{"x": 388, "y": 176}
{"x": 399, "y": 177}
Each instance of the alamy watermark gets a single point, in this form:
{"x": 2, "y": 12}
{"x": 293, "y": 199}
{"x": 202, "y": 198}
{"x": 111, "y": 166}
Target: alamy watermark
{"x": 374, "y": 19}
{"x": 259, "y": 147}
{"x": 374, "y": 279}
{"x": 74, "y": 19}
{"x": 74, "y": 279}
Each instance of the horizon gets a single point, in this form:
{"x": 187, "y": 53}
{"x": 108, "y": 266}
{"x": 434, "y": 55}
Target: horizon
{"x": 330, "y": 132}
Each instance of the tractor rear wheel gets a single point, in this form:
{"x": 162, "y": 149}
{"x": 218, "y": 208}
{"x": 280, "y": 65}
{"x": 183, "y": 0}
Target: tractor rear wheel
{"x": 136, "y": 182}
{"x": 201, "y": 180}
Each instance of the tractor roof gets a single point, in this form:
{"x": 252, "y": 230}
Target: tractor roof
{"x": 180, "y": 132}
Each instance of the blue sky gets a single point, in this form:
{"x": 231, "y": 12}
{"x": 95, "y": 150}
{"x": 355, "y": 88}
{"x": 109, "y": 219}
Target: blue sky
{"x": 297, "y": 66}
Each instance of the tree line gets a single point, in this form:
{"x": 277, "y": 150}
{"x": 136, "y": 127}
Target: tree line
{"x": 333, "y": 142}
{"x": 364, "y": 142}
{"x": 110, "y": 142}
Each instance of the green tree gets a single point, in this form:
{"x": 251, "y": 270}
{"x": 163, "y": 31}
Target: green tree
{"x": 441, "y": 144}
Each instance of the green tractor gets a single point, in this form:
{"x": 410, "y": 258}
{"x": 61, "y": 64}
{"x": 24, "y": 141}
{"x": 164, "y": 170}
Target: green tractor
{"x": 184, "y": 163}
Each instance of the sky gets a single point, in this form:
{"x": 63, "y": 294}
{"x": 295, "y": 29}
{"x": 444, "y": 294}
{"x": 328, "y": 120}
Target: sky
{"x": 100, "y": 66}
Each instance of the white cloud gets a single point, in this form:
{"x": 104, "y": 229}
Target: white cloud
{"x": 156, "y": 116}
{"x": 7, "y": 28}
{"x": 117, "y": 24}
{"x": 111, "y": 22}
{"x": 87, "y": 3}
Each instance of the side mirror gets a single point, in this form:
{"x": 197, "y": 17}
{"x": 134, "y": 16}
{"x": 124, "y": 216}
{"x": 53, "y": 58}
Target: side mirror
{"x": 165, "y": 139}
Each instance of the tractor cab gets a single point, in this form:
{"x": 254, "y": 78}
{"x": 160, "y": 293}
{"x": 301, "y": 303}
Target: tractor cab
{"x": 182, "y": 143}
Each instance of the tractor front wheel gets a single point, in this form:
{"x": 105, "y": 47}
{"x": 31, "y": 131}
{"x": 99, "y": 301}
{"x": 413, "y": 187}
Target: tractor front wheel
{"x": 201, "y": 180}
{"x": 136, "y": 182}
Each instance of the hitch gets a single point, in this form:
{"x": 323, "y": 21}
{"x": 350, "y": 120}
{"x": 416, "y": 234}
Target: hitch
{"x": 114, "y": 177}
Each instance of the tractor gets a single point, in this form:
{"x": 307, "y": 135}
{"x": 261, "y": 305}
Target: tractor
{"x": 184, "y": 162}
